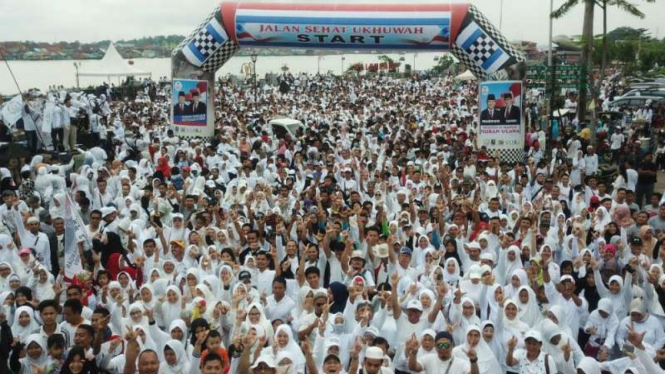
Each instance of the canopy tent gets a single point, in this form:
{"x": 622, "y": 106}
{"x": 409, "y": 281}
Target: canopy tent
{"x": 112, "y": 65}
{"x": 466, "y": 76}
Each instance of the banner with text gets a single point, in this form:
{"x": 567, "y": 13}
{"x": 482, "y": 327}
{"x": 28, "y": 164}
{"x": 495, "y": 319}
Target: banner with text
{"x": 343, "y": 29}
{"x": 501, "y": 124}
{"x": 73, "y": 228}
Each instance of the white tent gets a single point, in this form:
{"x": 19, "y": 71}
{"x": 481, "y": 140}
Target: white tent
{"x": 466, "y": 76}
{"x": 112, "y": 65}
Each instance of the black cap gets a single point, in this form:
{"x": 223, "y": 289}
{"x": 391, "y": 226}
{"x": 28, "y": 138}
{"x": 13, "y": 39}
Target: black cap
{"x": 181, "y": 94}
{"x": 636, "y": 240}
{"x": 491, "y": 97}
{"x": 444, "y": 335}
{"x": 244, "y": 275}
{"x": 333, "y": 357}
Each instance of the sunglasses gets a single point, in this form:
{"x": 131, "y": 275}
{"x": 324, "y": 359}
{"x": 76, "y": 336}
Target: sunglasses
{"x": 443, "y": 345}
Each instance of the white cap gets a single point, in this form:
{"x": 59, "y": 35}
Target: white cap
{"x": 357, "y": 254}
{"x": 567, "y": 278}
{"x": 487, "y": 256}
{"x": 414, "y": 304}
{"x": 374, "y": 353}
{"x": 33, "y": 220}
{"x": 472, "y": 245}
{"x": 533, "y": 334}
{"x": 266, "y": 359}
{"x": 381, "y": 250}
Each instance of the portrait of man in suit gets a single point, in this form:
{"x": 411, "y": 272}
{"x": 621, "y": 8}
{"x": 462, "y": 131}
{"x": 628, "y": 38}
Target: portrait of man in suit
{"x": 512, "y": 113}
{"x": 197, "y": 107}
{"x": 491, "y": 115}
{"x": 181, "y": 108}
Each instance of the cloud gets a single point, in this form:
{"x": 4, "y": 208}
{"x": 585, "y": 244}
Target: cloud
{"x": 93, "y": 20}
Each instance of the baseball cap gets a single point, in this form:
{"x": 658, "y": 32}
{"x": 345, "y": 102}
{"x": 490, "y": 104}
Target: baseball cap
{"x": 533, "y": 334}
{"x": 414, "y": 304}
{"x": 636, "y": 240}
{"x": 244, "y": 275}
{"x": 405, "y": 251}
{"x": 179, "y": 243}
{"x": 357, "y": 254}
{"x": 25, "y": 251}
{"x": 33, "y": 220}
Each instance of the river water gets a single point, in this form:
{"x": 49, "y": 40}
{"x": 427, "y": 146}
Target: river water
{"x": 42, "y": 74}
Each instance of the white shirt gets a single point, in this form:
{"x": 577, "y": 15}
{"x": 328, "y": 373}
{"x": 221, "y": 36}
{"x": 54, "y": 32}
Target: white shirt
{"x": 432, "y": 364}
{"x": 264, "y": 281}
{"x": 536, "y": 366}
{"x": 616, "y": 140}
{"x": 279, "y": 309}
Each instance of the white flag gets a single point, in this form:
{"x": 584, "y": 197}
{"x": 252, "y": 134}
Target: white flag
{"x": 12, "y": 110}
{"x": 72, "y": 231}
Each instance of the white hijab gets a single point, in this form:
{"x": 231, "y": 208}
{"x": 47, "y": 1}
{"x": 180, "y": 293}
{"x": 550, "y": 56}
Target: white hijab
{"x": 22, "y": 332}
{"x": 181, "y": 365}
{"x": 487, "y": 361}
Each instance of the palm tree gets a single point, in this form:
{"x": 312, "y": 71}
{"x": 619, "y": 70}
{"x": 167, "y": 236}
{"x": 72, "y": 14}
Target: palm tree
{"x": 587, "y": 36}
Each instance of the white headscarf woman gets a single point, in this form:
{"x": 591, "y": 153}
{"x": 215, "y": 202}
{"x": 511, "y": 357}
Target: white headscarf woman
{"x": 462, "y": 316}
{"x": 509, "y": 261}
{"x": 528, "y": 306}
{"x": 257, "y": 316}
{"x": 28, "y": 363}
{"x": 554, "y": 341}
{"x": 518, "y": 278}
{"x": 286, "y": 343}
{"x": 172, "y": 304}
{"x": 451, "y": 271}
{"x": 176, "y": 360}
{"x": 24, "y": 323}
{"x": 57, "y": 207}
{"x": 487, "y": 361}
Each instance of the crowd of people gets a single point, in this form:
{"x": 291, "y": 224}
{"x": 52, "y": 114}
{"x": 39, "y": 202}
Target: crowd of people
{"x": 381, "y": 239}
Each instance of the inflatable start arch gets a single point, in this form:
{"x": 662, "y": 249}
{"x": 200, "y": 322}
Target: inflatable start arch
{"x": 458, "y": 28}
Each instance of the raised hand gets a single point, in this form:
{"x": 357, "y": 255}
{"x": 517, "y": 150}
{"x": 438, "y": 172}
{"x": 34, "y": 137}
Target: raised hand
{"x": 635, "y": 338}
{"x": 566, "y": 349}
{"x": 512, "y": 343}
{"x": 471, "y": 354}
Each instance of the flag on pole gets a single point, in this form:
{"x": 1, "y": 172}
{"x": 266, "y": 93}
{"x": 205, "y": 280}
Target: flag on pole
{"x": 73, "y": 229}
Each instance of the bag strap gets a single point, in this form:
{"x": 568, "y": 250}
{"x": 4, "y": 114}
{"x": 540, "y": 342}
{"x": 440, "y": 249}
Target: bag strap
{"x": 547, "y": 363}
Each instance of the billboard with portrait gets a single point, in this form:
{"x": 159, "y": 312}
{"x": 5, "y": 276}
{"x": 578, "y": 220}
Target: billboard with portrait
{"x": 190, "y": 107}
{"x": 501, "y": 121}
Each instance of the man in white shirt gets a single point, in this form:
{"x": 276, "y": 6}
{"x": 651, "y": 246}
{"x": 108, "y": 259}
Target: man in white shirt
{"x": 265, "y": 276}
{"x": 590, "y": 161}
{"x": 616, "y": 141}
{"x": 38, "y": 241}
{"x": 278, "y": 305}
{"x": 442, "y": 361}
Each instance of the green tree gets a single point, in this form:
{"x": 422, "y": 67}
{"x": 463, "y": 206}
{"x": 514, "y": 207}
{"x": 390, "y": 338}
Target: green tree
{"x": 444, "y": 63}
{"x": 627, "y": 7}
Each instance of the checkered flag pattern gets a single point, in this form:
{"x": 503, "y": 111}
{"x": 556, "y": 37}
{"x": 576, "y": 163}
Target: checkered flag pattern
{"x": 511, "y": 155}
{"x": 466, "y": 60}
{"x": 191, "y": 36}
{"x": 481, "y": 50}
{"x": 495, "y": 34}
{"x": 223, "y": 54}
{"x": 215, "y": 54}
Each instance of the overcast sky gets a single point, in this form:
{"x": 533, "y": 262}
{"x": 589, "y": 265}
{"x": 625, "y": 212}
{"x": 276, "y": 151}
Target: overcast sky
{"x": 92, "y": 20}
